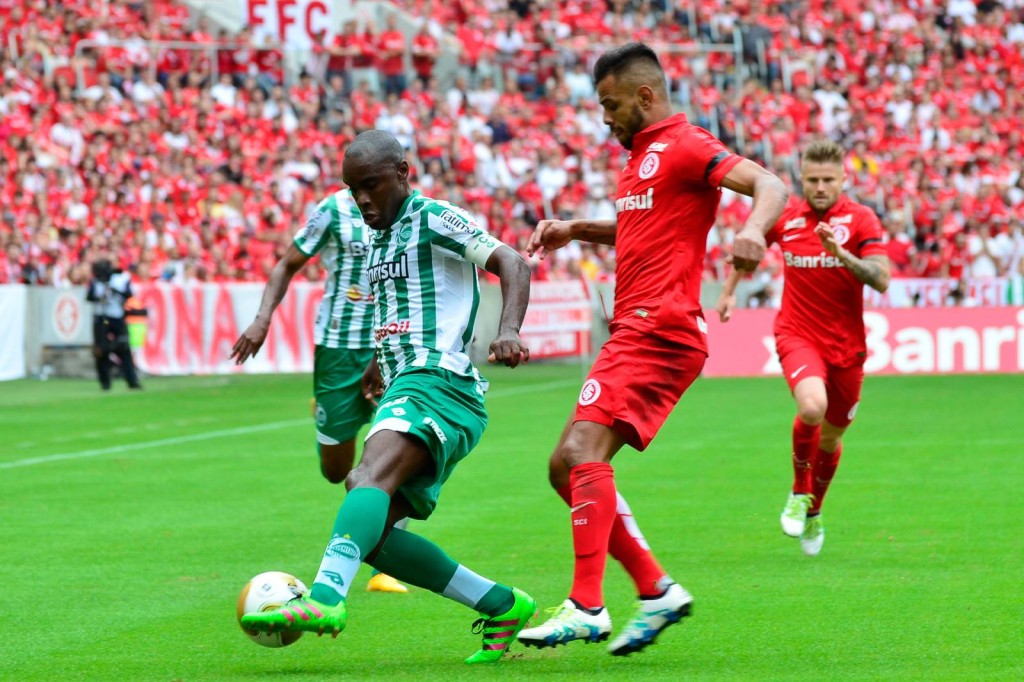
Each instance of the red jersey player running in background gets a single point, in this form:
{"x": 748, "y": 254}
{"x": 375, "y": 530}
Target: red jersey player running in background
{"x": 668, "y": 195}
{"x": 832, "y": 246}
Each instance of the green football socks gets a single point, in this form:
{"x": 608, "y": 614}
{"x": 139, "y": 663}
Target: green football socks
{"x": 357, "y": 530}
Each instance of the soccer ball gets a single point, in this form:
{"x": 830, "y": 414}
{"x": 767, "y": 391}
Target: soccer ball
{"x": 266, "y": 592}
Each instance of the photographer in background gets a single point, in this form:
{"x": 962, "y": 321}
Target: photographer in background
{"x": 109, "y": 289}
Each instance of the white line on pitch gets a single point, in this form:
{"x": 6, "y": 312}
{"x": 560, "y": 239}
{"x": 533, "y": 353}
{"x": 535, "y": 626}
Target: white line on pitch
{"x": 129, "y": 447}
{"x": 241, "y": 430}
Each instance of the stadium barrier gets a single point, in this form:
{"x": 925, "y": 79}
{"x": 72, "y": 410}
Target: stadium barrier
{"x": 13, "y": 306}
{"x": 899, "y": 340}
{"x": 191, "y": 328}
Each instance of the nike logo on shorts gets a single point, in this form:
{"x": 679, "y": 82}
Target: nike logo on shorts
{"x": 579, "y": 506}
{"x": 799, "y": 369}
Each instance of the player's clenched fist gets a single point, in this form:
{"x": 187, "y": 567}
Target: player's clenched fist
{"x": 549, "y": 236}
{"x": 748, "y": 249}
{"x": 508, "y": 349}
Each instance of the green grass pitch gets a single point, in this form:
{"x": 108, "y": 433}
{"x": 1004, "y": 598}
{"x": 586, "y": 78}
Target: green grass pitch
{"x": 130, "y": 521}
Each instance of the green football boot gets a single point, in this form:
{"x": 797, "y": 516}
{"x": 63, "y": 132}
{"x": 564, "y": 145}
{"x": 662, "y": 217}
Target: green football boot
{"x": 300, "y": 614}
{"x": 501, "y": 630}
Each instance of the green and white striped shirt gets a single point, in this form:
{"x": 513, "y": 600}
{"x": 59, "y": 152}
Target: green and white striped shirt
{"x": 337, "y": 232}
{"x": 422, "y": 272}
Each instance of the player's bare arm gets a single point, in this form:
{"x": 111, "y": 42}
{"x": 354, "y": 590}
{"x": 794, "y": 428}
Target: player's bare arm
{"x": 372, "y": 382}
{"x": 871, "y": 270}
{"x": 770, "y": 195}
{"x": 727, "y": 299}
{"x": 552, "y": 235}
{"x": 251, "y": 340}
{"x": 514, "y": 274}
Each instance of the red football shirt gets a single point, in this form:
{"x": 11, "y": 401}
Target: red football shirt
{"x": 822, "y": 302}
{"x": 668, "y": 194}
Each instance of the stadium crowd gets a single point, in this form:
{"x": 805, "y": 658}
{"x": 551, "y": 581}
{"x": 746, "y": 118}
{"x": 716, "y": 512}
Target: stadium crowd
{"x": 178, "y": 175}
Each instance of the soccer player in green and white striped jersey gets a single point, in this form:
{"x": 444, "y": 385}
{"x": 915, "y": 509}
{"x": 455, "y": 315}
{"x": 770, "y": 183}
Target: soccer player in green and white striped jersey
{"x": 343, "y": 335}
{"x": 422, "y": 273}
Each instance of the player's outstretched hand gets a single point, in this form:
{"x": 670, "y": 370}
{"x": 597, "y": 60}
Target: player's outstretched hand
{"x": 726, "y": 304}
{"x": 828, "y": 238}
{"x": 748, "y": 249}
{"x": 550, "y": 235}
{"x": 372, "y": 383}
{"x": 250, "y": 342}
{"x": 508, "y": 349}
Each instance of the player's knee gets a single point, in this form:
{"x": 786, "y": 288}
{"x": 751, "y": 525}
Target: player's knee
{"x": 558, "y": 476}
{"x": 355, "y": 479}
{"x": 811, "y": 409}
{"x": 575, "y": 451}
{"x": 333, "y": 473}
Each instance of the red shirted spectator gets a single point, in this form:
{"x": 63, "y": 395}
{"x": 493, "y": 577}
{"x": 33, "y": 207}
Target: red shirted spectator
{"x": 391, "y": 46}
{"x": 956, "y": 257}
{"x": 424, "y": 53}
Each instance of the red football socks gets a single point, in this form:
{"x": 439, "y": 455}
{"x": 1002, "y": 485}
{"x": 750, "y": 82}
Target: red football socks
{"x": 593, "y": 513}
{"x": 825, "y": 465}
{"x": 805, "y": 445}
{"x": 628, "y": 546}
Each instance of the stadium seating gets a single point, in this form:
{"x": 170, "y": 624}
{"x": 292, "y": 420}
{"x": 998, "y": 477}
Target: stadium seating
{"x": 140, "y": 154}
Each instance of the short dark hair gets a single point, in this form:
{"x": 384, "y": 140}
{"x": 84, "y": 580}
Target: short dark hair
{"x": 614, "y": 62}
{"x": 379, "y": 145}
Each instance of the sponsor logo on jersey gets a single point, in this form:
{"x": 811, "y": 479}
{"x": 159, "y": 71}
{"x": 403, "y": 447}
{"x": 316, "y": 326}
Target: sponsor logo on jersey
{"x": 436, "y": 429}
{"x": 649, "y": 166}
{"x": 454, "y": 222}
{"x": 841, "y": 233}
{"x": 399, "y": 327}
{"x": 821, "y": 261}
{"x": 657, "y": 146}
{"x": 355, "y": 294}
{"x": 395, "y": 269}
{"x": 635, "y": 202}
{"x": 841, "y": 219}
{"x": 795, "y": 223}
{"x": 590, "y": 393}
{"x": 316, "y": 226}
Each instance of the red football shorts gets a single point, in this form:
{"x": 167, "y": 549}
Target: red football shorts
{"x": 800, "y": 359}
{"x": 635, "y": 382}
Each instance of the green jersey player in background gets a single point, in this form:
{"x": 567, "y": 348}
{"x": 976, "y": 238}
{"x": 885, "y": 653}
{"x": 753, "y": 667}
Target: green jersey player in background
{"x": 343, "y": 334}
{"x": 422, "y": 273}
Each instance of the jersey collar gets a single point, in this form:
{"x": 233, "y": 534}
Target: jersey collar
{"x": 655, "y": 128}
{"x": 405, "y": 207}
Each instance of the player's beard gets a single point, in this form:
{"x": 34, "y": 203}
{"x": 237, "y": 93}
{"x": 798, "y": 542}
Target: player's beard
{"x": 633, "y": 126}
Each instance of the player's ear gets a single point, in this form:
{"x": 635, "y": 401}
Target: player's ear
{"x": 645, "y": 96}
{"x": 402, "y": 170}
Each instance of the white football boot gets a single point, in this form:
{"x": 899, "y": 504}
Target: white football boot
{"x": 813, "y": 536}
{"x": 566, "y": 624}
{"x": 794, "y": 516}
{"x": 651, "y": 619}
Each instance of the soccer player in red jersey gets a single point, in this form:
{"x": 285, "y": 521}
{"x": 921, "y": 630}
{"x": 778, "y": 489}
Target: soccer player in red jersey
{"x": 832, "y": 246}
{"x": 668, "y": 194}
